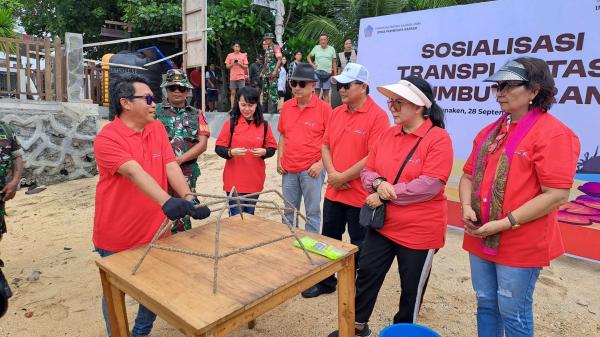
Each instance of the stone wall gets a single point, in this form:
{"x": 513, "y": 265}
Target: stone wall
{"x": 57, "y": 138}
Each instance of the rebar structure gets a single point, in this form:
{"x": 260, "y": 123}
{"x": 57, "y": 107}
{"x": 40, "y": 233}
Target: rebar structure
{"x": 166, "y": 226}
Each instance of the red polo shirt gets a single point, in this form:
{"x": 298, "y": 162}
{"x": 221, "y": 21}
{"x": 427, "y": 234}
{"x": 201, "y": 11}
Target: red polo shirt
{"x": 546, "y": 156}
{"x": 421, "y": 225}
{"x": 302, "y": 131}
{"x": 351, "y": 135}
{"x": 125, "y": 217}
{"x": 246, "y": 173}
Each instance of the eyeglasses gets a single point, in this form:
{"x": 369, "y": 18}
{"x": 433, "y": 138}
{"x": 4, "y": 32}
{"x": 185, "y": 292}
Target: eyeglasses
{"x": 394, "y": 102}
{"x": 294, "y": 83}
{"x": 346, "y": 86}
{"x": 179, "y": 88}
{"x": 502, "y": 86}
{"x": 149, "y": 99}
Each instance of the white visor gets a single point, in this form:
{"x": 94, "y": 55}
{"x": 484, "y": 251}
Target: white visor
{"x": 406, "y": 90}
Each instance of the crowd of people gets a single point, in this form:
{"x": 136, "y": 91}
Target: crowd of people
{"x": 520, "y": 170}
{"x": 270, "y": 73}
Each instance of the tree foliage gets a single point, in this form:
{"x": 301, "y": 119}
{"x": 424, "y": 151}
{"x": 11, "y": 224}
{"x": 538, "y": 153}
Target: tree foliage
{"x": 151, "y": 16}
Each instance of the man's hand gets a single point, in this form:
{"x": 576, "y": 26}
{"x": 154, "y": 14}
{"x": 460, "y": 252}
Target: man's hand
{"x": 386, "y": 191}
{"x": 280, "y": 168}
{"x": 199, "y": 213}
{"x": 336, "y": 180}
{"x": 9, "y": 191}
{"x": 315, "y": 169}
{"x": 238, "y": 151}
{"x": 258, "y": 152}
{"x": 176, "y": 208}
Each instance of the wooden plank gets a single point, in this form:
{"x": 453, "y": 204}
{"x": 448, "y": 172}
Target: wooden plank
{"x": 58, "y": 70}
{"x": 47, "y": 71}
{"x": 7, "y": 65}
{"x": 115, "y": 307}
{"x": 38, "y": 73}
{"x": 27, "y": 70}
{"x": 18, "y": 64}
{"x": 183, "y": 36}
{"x": 250, "y": 313}
{"x": 252, "y": 281}
{"x": 346, "y": 294}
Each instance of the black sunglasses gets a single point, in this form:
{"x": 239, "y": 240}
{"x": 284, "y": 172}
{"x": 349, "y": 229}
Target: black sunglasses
{"x": 501, "y": 86}
{"x": 346, "y": 86}
{"x": 294, "y": 83}
{"x": 149, "y": 99}
{"x": 179, "y": 88}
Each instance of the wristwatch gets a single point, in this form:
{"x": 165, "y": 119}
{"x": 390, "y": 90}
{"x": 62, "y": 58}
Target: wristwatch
{"x": 377, "y": 182}
{"x": 514, "y": 224}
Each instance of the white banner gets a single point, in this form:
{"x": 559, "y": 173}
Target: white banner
{"x": 456, "y": 48}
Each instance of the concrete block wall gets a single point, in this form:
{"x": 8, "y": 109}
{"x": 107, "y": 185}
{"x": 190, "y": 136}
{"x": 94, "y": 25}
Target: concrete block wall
{"x": 57, "y": 138}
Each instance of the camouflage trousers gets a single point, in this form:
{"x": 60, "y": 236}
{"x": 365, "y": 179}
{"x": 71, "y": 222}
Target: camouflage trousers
{"x": 269, "y": 95}
{"x": 191, "y": 175}
{"x": 2, "y": 222}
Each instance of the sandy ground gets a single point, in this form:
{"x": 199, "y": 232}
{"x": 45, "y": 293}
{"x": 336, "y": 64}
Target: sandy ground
{"x": 51, "y": 232}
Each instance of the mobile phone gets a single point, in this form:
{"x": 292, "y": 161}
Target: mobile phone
{"x": 235, "y": 61}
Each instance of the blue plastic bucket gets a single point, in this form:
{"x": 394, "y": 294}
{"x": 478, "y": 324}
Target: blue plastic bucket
{"x": 408, "y": 330}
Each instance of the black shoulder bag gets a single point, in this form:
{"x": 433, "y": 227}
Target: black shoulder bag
{"x": 375, "y": 217}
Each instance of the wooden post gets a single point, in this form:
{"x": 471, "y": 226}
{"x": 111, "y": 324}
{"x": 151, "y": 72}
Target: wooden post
{"x": 47, "y": 71}
{"x": 58, "y": 70}
{"x": 115, "y": 307}
{"x": 346, "y": 294}
{"x": 183, "y": 37}
{"x": 18, "y": 61}
{"x": 38, "y": 73}
{"x": 7, "y": 61}
{"x": 27, "y": 71}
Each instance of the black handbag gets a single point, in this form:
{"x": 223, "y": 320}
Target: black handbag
{"x": 375, "y": 217}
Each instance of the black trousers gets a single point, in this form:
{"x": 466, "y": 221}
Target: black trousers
{"x": 335, "y": 217}
{"x": 414, "y": 267}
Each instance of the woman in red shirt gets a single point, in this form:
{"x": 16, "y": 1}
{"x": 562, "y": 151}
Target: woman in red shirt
{"x": 520, "y": 170}
{"x": 416, "y": 217}
{"x": 245, "y": 146}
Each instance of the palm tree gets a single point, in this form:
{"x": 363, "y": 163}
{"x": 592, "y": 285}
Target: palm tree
{"x": 7, "y": 26}
{"x": 343, "y": 19}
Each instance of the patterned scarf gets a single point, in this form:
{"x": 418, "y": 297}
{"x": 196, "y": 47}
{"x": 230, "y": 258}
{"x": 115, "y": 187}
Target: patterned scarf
{"x": 493, "y": 198}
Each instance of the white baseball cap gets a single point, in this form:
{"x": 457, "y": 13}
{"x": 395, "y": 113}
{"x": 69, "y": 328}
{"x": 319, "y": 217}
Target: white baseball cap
{"x": 353, "y": 72}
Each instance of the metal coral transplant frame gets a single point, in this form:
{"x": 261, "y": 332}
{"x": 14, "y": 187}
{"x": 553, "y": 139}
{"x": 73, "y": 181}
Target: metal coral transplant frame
{"x": 166, "y": 226}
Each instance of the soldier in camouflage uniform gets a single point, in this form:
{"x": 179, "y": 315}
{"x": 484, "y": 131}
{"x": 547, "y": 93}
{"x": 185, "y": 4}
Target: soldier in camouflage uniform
{"x": 270, "y": 73}
{"x": 187, "y": 130}
{"x": 11, "y": 164}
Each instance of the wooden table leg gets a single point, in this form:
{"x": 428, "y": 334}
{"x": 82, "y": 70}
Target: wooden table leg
{"x": 115, "y": 307}
{"x": 346, "y": 293}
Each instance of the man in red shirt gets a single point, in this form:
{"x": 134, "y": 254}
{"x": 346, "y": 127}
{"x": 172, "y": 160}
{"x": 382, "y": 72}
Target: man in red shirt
{"x": 302, "y": 125}
{"x": 237, "y": 63}
{"x": 353, "y": 130}
{"x": 135, "y": 162}
{"x": 196, "y": 80}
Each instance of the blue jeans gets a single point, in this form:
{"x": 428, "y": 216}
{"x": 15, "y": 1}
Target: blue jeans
{"x": 298, "y": 185}
{"x": 234, "y": 210}
{"x": 504, "y": 298}
{"x": 144, "y": 320}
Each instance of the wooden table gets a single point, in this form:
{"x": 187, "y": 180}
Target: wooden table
{"x": 178, "y": 287}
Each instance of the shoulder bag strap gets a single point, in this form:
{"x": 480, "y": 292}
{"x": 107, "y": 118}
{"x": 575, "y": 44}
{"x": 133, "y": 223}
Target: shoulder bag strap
{"x": 410, "y": 154}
